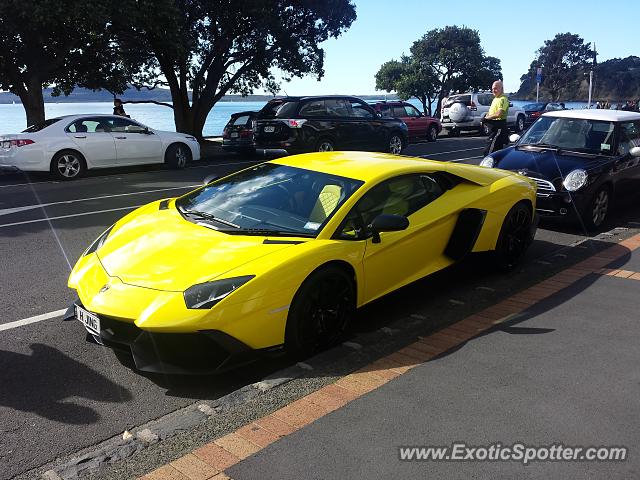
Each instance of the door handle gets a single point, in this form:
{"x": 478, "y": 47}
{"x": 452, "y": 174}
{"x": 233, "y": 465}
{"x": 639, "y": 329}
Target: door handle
{"x": 80, "y": 136}
{"x": 121, "y": 138}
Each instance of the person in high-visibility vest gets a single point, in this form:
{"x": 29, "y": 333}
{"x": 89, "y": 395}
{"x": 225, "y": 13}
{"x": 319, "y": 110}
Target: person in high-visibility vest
{"x": 497, "y": 119}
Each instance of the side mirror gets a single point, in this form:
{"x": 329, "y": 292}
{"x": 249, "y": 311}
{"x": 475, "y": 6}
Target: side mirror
{"x": 635, "y": 152}
{"x": 511, "y": 104}
{"x": 209, "y": 178}
{"x": 146, "y": 131}
{"x": 514, "y": 137}
{"x": 378, "y": 115}
{"x": 387, "y": 223}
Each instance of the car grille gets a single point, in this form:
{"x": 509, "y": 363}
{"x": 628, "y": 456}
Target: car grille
{"x": 544, "y": 186}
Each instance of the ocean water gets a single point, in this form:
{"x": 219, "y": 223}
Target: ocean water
{"x": 13, "y": 118}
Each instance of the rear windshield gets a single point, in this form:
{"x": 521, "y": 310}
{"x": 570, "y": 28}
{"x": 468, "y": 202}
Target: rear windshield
{"x": 41, "y": 126}
{"x": 533, "y": 106}
{"x": 466, "y": 99}
{"x": 279, "y": 109}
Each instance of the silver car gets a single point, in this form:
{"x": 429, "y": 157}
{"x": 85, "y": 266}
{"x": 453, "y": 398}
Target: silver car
{"x": 465, "y": 111}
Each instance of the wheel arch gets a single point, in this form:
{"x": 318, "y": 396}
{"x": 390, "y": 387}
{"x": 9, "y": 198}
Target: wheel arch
{"x": 171, "y": 144}
{"x": 60, "y": 151}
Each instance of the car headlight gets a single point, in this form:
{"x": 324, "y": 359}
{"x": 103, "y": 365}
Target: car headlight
{"x": 206, "y": 295}
{"x": 487, "y": 162}
{"x": 98, "y": 241}
{"x": 575, "y": 180}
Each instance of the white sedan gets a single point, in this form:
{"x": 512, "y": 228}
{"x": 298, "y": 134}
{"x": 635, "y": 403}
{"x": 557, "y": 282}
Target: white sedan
{"x": 68, "y": 146}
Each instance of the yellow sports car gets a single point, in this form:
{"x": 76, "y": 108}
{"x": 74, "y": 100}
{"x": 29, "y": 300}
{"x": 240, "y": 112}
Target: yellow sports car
{"x": 282, "y": 254}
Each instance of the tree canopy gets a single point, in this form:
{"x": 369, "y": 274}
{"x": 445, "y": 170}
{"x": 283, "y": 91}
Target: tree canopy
{"x": 207, "y": 48}
{"x": 444, "y": 59}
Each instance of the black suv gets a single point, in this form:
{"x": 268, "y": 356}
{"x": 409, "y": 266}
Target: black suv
{"x": 320, "y": 124}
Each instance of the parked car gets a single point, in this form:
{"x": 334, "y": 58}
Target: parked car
{"x": 580, "y": 160}
{"x": 307, "y": 124}
{"x": 68, "y": 146}
{"x": 534, "y": 110}
{"x": 465, "y": 112}
{"x": 238, "y": 133}
{"x": 420, "y": 126}
{"x": 282, "y": 254}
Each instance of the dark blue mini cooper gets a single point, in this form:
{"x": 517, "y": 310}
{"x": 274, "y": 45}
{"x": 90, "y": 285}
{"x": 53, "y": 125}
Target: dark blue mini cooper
{"x": 580, "y": 159}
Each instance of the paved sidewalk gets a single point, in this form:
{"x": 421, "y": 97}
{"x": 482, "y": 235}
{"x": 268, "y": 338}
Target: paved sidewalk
{"x": 554, "y": 364}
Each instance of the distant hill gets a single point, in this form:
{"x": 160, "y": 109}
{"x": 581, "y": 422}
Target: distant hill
{"x": 82, "y": 95}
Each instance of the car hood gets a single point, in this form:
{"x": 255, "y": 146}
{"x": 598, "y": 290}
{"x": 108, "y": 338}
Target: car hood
{"x": 161, "y": 250}
{"x": 545, "y": 164}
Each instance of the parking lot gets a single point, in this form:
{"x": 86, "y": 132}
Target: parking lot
{"x": 68, "y": 395}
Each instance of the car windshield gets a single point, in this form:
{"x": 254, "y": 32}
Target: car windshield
{"x": 269, "y": 199}
{"x": 575, "y": 134}
{"x": 533, "y": 107}
{"x": 41, "y": 126}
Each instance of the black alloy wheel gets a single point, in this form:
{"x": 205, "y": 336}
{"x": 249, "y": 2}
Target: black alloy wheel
{"x": 598, "y": 209}
{"x": 453, "y": 132}
{"x": 519, "y": 124}
{"x": 516, "y": 235}
{"x": 320, "y": 313}
{"x": 68, "y": 165}
{"x": 325, "y": 145}
{"x": 178, "y": 155}
{"x": 395, "y": 144}
{"x": 432, "y": 133}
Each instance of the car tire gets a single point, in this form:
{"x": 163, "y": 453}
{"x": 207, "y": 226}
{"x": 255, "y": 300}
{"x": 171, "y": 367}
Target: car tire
{"x": 432, "y": 133}
{"x": 395, "y": 144}
{"x": 516, "y": 235}
{"x": 177, "y": 156}
{"x": 519, "y": 127}
{"x": 325, "y": 145}
{"x": 598, "y": 208}
{"x": 320, "y": 312}
{"x": 68, "y": 165}
{"x": 453, "y": 132}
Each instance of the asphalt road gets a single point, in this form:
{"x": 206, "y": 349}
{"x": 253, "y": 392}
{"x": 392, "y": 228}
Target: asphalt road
{"x": 60, "y": 394}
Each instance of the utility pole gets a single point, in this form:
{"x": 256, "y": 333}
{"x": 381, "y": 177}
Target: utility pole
{"x": 593, "y": 66}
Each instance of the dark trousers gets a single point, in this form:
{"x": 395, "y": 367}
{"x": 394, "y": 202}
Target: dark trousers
{"x": 499, "y": 136}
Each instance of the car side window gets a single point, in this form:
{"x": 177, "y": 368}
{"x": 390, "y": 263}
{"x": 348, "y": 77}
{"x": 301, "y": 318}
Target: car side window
{"x": 123, "y": 125}
{"x": 411, "y": 111}
{"x": 484, "y": 99}
{"x": 629, "y": 137}
{"x": 386, "y": 111}
{"x": 337, "y": 107}
{"x": 399, "y": 111}
{"x": 402, "y": 195}
{"x": 314, "y": 108}
{"x": 88, "y": 125}
{"x": 361, "y": 110}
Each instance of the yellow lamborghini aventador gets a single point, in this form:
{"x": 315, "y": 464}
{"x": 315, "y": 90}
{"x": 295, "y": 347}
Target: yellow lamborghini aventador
{"x": 282, "y": 253}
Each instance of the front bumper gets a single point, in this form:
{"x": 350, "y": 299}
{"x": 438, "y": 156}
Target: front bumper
{"x": 561, "y": 204}
{"x": 197, "y": 353}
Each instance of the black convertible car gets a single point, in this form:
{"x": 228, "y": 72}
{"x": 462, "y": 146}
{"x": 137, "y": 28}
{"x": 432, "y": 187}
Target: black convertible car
{"x": 580, "y": 159}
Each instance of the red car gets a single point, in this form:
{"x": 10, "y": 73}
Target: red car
{"x": 421, "y": 127}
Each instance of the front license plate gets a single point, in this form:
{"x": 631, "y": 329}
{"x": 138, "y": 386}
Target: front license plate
{"x": 90, "y": 321}
{"x": 269, "y": 129}
{"x": 234, "y": 135}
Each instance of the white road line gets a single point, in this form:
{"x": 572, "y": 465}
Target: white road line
{"x": 8, "y": 211}
{"x": 133, "y": 173}
{"x": 68, "y": 216}
{"x": 463, "y": 159}
{"x": 426, "y": 155}
{"x": 28, "y": 321}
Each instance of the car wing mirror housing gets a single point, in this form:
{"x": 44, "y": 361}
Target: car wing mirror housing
{"x": 514, "y": 137}
{"x": 635, "y": 152}
{"x": 387, "y": 223}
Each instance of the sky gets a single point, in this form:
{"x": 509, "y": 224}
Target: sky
{"x": 511, "y": 31}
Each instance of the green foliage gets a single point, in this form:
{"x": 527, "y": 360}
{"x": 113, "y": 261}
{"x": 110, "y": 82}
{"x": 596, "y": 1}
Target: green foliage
{"x": 617, "y": 79}
{"x": 564, "y": 60}
{"x": 212, "y": 47}
{"x": 445, "y": 59}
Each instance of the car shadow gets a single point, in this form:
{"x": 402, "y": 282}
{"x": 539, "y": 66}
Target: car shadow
{"x": 53, "y": 385}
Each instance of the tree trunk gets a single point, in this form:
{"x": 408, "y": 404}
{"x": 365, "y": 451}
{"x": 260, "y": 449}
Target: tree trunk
{"x": 33, "y": 103}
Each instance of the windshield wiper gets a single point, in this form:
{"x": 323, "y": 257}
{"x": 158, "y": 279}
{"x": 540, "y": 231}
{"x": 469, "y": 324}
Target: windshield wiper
{"x": 544, "y": 146}
{"x": 270, "y": 232}
{"x": 208, "y": 216}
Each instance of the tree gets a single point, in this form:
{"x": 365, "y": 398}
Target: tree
{"x": 451, "y": 58}
{"x": 56, "y": 42}
{"x": 408, "y": 79}
{"x": 563, "y": 60}
{"x": 203, "y": 49}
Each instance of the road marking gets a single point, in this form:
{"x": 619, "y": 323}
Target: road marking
{"x": 8, "y": 211}
{"x": 68, "y": 216}
{"x": 28, "y": 321}
{"x": 426, "y": 155}
{"x": 131, "y": 173}
{"x": 463, "y": 159}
